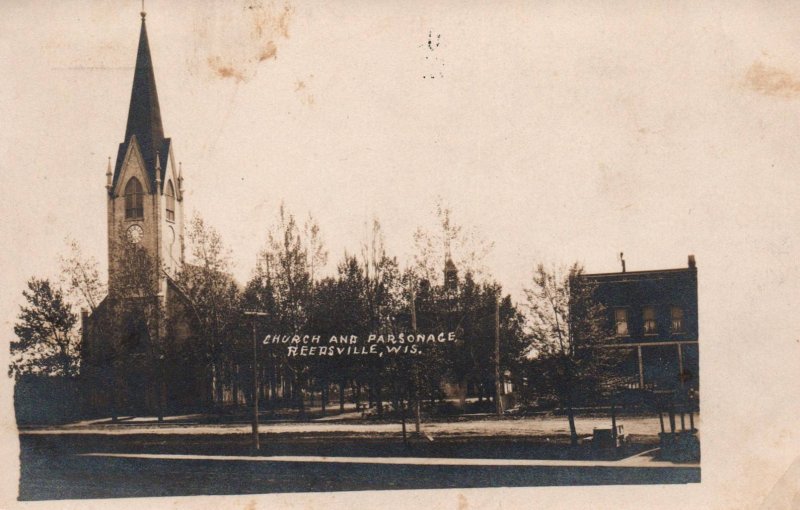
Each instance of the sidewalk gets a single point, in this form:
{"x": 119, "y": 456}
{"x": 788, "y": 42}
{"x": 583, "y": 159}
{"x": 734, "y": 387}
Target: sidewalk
{"x": 541, "y": 427}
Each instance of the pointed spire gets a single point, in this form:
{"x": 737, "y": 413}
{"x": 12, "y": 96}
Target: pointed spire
{"x": 144, "y": 114}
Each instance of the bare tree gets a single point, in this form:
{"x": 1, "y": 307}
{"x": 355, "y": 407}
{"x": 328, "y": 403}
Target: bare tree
{"x": 316, "y": 255}
{"x": 136, "y": 311}
{"x": 449, "y": 241}
{"x": 81, "y": 276}
{"x": 135, "y": 283}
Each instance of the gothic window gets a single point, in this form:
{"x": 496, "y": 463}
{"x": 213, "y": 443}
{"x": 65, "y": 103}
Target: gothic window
{"x": 134, "y": 208}
{"x": 621, "y": 321}
{"x": 649, "y": 316}
{"x": 676, "y": 315}
{"x": 170, "y": 201}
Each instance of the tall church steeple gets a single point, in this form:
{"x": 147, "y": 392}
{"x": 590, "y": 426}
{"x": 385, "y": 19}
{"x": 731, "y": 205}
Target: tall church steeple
{"x": 144, "y": 113}
{"x": 145, "y": 251}
{"x": 145, "y": 198}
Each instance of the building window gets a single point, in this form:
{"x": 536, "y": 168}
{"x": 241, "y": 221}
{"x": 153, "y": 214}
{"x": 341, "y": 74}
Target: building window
{"x": 134, "y": 199}
{"x": 649, "y": 316}
{"x": 170, "y": 201}
{"x": 676, "y": 314}
{"x": 621, "y": 321}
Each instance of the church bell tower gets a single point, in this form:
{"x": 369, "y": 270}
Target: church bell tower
{"x": 145, "y": 189}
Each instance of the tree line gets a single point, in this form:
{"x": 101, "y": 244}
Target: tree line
{"x": 543, "y": 345}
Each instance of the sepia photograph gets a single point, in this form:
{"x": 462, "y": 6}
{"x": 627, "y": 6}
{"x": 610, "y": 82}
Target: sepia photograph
{"x": 295, "y": 254}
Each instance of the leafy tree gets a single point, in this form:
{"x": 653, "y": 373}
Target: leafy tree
{"x": 514, "y": 339}
{"x": 46, "y": 342}
{"x": 432, "y": 300}
{"x": 215, "y": 300}
{"x": 328, "y": 320}
{"x": 287, "y": 263}
{"x": 473, "y": 364}
{"x": 567, "y": 325}
{"x": 383, "y": 300}
{"x": 341, "y": 308}
{"x": 284, "y": 279}
{"x": 455, "y": 291}
{"x": 259, "y": 294}
{"x": 474, "y": 361}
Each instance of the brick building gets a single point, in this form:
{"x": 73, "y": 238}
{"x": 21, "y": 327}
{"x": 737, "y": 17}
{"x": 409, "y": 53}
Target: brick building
{"x": 138, "y": 350}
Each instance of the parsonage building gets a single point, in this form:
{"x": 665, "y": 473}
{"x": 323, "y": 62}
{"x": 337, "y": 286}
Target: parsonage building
{"x": 654, "y": 322}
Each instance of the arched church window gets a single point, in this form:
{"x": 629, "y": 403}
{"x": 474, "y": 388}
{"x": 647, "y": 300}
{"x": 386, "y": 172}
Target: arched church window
{"x": 170, "y": 201}
{"x": 134, "y": 198}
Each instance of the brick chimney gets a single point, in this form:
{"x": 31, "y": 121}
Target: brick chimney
{"x": 692, "y": 263}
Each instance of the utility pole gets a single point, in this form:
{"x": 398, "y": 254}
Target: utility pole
{"x": 417, "y": 410}
{"x": 254, "y": 314}
{"x": 497, "y": 387}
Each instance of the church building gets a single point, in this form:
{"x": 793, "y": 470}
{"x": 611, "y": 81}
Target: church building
{"x": 138, "y": 354}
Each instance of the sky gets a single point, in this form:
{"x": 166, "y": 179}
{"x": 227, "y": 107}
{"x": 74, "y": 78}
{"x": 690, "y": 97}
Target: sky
{"x": 558, "y": 131}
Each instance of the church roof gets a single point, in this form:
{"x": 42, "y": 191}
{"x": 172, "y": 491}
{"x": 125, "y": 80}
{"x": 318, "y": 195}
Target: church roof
{"x": 144, "y": 115}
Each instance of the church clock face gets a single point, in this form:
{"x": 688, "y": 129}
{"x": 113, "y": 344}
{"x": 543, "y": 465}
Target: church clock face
{"x": 135, "y": 233}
